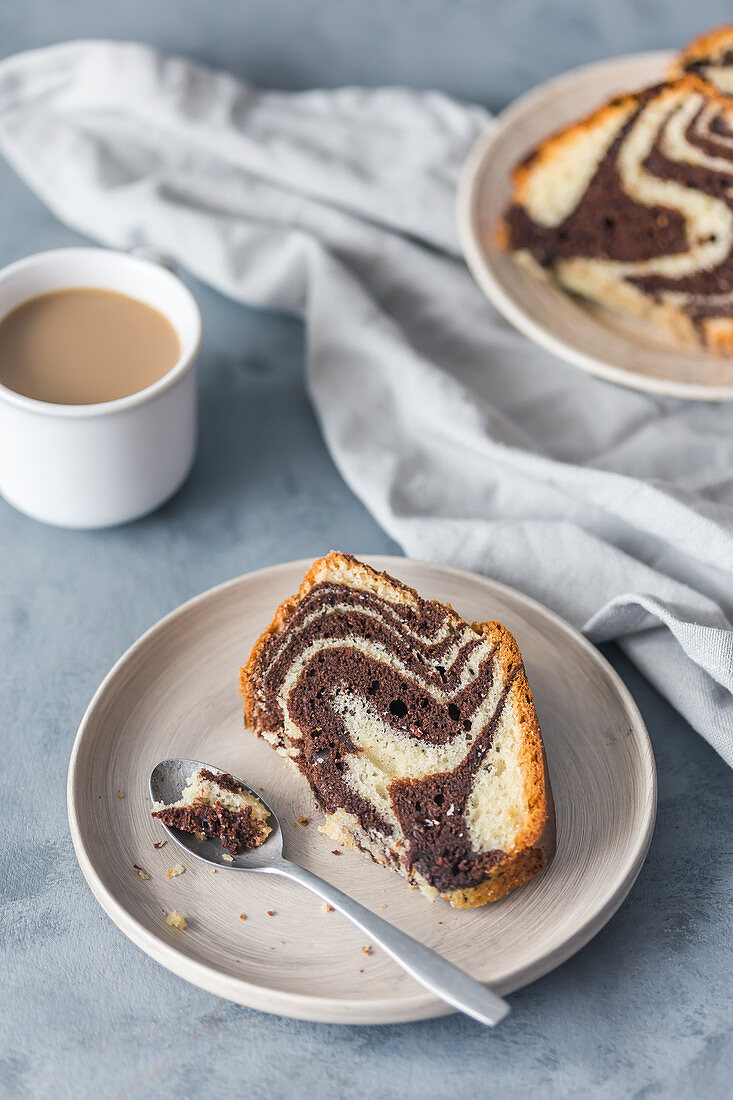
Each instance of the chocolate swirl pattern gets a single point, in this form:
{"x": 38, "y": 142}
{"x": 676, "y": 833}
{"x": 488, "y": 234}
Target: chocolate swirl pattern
{"x": 633, "y": 207}
{"x": 416, "y": 731}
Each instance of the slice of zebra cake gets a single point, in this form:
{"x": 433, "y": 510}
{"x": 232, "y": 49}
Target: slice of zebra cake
{"x": 632, "y": 207}
{"x": 415, "y": 730}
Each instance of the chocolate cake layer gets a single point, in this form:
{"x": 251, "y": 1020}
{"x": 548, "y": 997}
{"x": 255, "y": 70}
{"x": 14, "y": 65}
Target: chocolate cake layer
{"x": 236, "y": 829}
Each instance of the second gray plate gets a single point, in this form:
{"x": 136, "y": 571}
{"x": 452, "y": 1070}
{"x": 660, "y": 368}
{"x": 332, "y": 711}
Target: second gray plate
{"x": 622, "y": 350}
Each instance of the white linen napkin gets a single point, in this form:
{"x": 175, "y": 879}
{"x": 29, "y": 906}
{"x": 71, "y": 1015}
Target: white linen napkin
{"x": 468, "y": 444}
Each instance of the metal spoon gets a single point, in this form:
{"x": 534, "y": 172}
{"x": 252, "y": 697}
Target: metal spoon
{"x": 441, "y": 977}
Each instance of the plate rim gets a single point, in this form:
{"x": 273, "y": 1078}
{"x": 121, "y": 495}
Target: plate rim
{"x": 479, "y": 264}
{"x": 316, "y": 1008}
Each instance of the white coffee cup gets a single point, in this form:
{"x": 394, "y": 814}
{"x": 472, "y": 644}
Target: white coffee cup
{"x": 103, "y": 464}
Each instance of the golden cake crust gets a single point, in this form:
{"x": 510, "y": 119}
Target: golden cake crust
{"x": 711, "y": 46}
{"x": 618, "y": 108}
{"x": 535, "y": 845}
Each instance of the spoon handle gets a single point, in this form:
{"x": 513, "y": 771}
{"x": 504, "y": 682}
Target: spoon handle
{"x": 424, "y": 965}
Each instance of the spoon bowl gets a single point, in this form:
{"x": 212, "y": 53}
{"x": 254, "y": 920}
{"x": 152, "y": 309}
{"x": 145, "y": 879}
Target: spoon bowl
{"x": 167, "y": 780}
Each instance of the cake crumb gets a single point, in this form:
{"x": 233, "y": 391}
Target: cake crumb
{"x": 120, "y": 794}
{"x": 327, "y": 908}
{"x": 303, "y": 820}
{"x": 227, "y": 857}
{"x": 282, "y": 942}
{"x": 367, "y": 949}
{"x": 212, "y": 871}
{"x": 382, "y": 906}
{"x": 271, "y": 912}
{"x": 158, "y": 843}
{"x": 242, "y": 916}
{"x": 361, "y": 971}
{"x": 175, "y": 920}
{"x": 140, "y": 873}
{"x": 174, "y": 871}
{"x": 335, "y": 852}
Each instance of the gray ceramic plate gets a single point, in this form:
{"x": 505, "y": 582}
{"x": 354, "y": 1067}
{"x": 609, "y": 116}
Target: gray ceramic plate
{"x": 174, "y": 693}
{"x": 627, "y": 351}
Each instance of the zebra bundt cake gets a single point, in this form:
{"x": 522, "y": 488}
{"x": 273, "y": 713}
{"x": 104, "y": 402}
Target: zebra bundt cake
{"x": 415, "y": 730}
{"x": 633, "y": 207}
